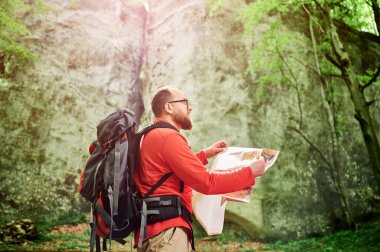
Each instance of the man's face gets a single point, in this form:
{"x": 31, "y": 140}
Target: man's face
{"x": 181, "y": 110}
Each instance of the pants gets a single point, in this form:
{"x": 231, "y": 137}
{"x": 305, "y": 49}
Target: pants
{"x": 170, "y": 240}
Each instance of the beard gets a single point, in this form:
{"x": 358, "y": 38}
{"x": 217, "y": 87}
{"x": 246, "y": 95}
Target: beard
{"x": 183, "y": 120}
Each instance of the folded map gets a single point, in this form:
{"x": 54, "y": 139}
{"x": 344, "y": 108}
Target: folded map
{"x": 209, "y": 209}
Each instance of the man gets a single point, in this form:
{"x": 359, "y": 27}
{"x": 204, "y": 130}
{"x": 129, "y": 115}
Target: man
{"x": 165, "y": 150}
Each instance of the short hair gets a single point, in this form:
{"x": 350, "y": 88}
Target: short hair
{"x": 160, "y": 97}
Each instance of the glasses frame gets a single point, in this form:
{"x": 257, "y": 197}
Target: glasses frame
{"x": 183, "y": 100}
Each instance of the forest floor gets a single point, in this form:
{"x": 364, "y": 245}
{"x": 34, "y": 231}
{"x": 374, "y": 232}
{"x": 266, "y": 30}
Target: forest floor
{"x": 75, "y": 237}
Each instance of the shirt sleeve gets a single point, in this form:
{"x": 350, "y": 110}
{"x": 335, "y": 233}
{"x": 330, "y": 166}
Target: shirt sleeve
{"x": 191, "y": 171}
{"x": 202, "y": 157}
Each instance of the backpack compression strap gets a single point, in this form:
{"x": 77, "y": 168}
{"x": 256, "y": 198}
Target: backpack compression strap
{"x": 145, "y": 211}
{"x": 161, "y": 208}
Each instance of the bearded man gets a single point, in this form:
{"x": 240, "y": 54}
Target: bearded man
{"x": 166, "y": 153}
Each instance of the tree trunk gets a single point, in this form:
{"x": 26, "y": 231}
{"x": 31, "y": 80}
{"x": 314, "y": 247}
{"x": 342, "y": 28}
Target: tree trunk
{"x": 376, "y": 14}
{"x": 364, "y": 118}
{"x": 335, "y": 167}
{"x": 357, "y": 96}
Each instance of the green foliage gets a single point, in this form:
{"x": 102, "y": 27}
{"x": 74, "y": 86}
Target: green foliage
{"x": 27, "y": 187}
{"x": 232, "y": 232}
{"x": 355, "y": 13}
{"x": 13, "y": 54}
{"x": 365, "y": 78}
{"x": 273, "y": 59}
{"x": 365, "y": 238}
{"x": 215, "y": 6}
{"x": 335, "y": 92}
{"x": 269, "y": 59}
{"x": 50, "y": 241}
{"x": 29, "y": 195}
{"x": 46, "y": 223}
{"x": 284, "y": 52}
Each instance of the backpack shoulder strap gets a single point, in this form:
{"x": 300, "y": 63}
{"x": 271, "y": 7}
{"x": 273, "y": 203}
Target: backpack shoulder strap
{"x": 166, "y": 125}
{"x": 134, "y": 151}
{"x": 167, "y": 175}
{"x": 157, "y": 125}
{"x": 162, "y": 180}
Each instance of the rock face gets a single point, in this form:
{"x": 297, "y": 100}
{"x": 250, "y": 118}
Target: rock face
{"x": 100, "y": 55}
{"x": 90, "y": 60}
{"x": 207, "y": 58}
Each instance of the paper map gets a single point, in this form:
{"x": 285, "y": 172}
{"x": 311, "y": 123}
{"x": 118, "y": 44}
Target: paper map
{"x": 209, "y": 209}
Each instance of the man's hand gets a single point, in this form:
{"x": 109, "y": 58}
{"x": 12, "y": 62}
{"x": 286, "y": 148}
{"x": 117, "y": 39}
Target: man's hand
{"x": 258, "y": 167}
{"x": 215, "y": 149}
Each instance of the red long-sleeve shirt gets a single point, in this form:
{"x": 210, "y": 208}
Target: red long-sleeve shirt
{"x": 165, "y": 150}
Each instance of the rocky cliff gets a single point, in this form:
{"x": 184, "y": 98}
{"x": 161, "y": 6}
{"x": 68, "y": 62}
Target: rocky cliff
{"x": 96, "y": 56}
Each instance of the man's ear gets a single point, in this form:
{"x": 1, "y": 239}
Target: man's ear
{"x": 168, "y": 108}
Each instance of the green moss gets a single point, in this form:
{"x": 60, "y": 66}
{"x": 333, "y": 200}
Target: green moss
{"x": 365, "y": 238}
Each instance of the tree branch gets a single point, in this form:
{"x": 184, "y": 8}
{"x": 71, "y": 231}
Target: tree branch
{"x": 339, "y": 51}
{"x": 372, "y": 80}
{"x": 366, "y": 35}
{"x": 299, "y": 61}
{"x": 304, "y": 65}
{"x": 312, "y": 17}
{"x": 333, "y": 75}
{"x": 333, "y": 61}
{"x": 324, "y": 11}
{"x": 296, "y": 86}
{"x": 311, "y": 144}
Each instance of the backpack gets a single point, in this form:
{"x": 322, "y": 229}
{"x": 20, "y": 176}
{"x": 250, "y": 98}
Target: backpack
{"x": 107, "y": 182}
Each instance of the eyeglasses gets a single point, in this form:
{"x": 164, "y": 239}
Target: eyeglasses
{"x": 183, "y": 100}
